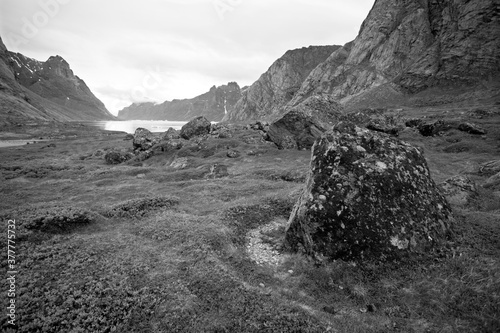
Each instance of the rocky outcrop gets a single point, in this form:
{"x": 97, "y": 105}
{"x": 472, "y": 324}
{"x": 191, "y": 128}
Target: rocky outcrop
{"x": 213, "y": 105}
{"x": 304, "y": 123}
{"x": 367, "y": 196}
{"x": 410, "y": 46}
{"x": 198, "y": 126}
{"x": 264, "y": 99}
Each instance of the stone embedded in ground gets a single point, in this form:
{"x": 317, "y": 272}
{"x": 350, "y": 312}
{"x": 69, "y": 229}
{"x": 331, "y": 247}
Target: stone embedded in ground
{"x": 304, "y": 123}
{"x": 233, "y": 154}
{"x": 367, "y": 196}
{"x": 459, "y": 190}
{"x": 471, "y": 128}
{"x": 432, "y": 129}
{"x": 217, "y": 170}
{"x": 117, "y": 157}
{"x": 170, "y": 145}
{"x": 198, "y": 126}
{"x": 490, "y": 168}
{"x": 384, "y": 125}
{"x": 144, "y": 139}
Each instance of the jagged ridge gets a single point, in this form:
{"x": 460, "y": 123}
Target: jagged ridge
{"x": 213, "y": 104}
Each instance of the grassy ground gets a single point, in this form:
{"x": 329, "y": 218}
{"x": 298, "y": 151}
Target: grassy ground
{"x": 145, "y": 247}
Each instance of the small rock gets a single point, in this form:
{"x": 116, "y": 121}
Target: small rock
{"x": 129, "y": 137}
{"x": 233, "y": 154}
{"x": 218, "y": 171}
{"x": 170, "y": 134}
{"x": 471, "y": 128}
{"x": 117, "y": 157}
{"x": 459, "y": 190}
{"x": 261, "y": 285}
{"x": 329, "y": 309}
{"x": 371, "y": 308}
{"x": 432, "y": 129}
{"x": 290, "y": 271}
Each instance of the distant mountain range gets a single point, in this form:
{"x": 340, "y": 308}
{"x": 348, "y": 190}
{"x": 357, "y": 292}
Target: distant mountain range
{"x": 214, "y": 104}
{"x": 45, "y": 91}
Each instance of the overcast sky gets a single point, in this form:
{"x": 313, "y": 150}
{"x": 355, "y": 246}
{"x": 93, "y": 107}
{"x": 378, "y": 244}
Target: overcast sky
{"x": 156, "y": 50}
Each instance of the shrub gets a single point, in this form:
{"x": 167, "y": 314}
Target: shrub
{"x": 140, "y": 207}
{"x": 59, "y": 219}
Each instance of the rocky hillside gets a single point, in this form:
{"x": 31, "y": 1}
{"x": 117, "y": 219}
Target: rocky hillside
{"x": 31, "y": 89}
{"x": 277, "y": 86}
{"x": 213, "y": 105}
{"x": 410, "y": 46}
{"x": 406, "y": 49}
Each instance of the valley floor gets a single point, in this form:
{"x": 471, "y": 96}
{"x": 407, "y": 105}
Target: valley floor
{"x": 162, "y": 246}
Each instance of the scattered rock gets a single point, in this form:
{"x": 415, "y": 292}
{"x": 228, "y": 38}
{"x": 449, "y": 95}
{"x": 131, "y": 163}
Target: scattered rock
{"x": 383, "y": 125}
{"x": 221, "y": 131}
{"x": 432, "y": 129}
{"x": 142, "y": 156}
{"x": 144, "y": 139}
{"x": 303, "y": 123}
{"x": 233, "y": 154}
{"x": 367, "y": 195}
{"x": 490, "y": 168}
{"x": 198, "y": 126}
{"x": 471, "y": 128}
{"x": 414, "y": 122}
{"x": 173, "y": 144}
{"x": 179, "y": 163}
{"x": 458, "y": 190}
{"x": 217, "y": 170}
{"x": 117, "y": 157}
{"x": 329, "y": 309}
{"x": 170, "y": 134}
{"x": 50, "y": 145}
{"x": 493, "y": 181}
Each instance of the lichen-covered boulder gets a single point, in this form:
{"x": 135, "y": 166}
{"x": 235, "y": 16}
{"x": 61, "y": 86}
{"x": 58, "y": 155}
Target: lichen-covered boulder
{"x": 367, "y": 195}
{"x": 144, "y": 139}
{"x": 198, "y": 126}
{"x": 304, "y": 123}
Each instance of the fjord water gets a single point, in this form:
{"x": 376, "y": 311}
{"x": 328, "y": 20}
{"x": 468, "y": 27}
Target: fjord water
{"x": 130, "y": 126}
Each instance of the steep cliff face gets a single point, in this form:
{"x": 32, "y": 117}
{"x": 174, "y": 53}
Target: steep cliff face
{"x": 54, "y": 81}
{"x": 413, "y": 45}
{"x": 265, "y": 98}
{"x": 34, "y": 90}
{"x": 213, "y": 105}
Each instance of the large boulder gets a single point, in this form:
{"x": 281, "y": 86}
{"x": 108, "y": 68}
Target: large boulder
{"x": 198, "y": 126}
{"x": 304, "y": 123}
{"x": 144, "y": 139}
{"x": 367, "y": 196}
